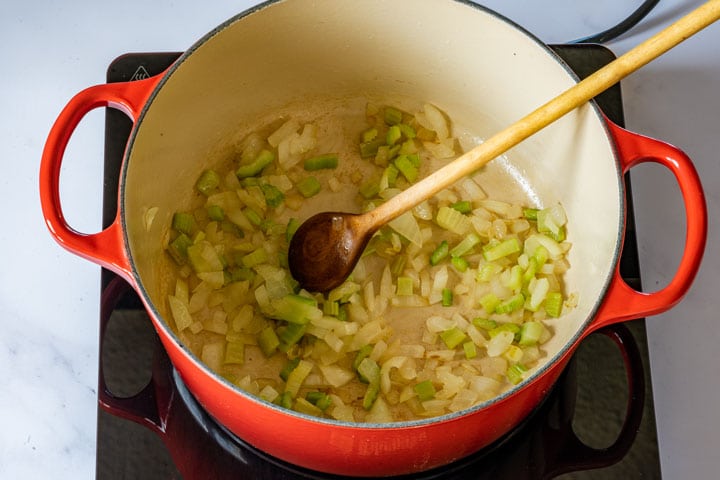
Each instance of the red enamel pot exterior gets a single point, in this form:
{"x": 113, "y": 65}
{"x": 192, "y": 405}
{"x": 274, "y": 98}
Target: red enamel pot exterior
{"x": 337, "y": 447}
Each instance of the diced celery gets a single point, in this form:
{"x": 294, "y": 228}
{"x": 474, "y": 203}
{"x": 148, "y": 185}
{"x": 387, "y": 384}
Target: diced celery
{"x": 304, "y": 406}
{"x": 462, "y": 206}
{"x": 405, "y": 165}
{"x": 273, "y": 196}
{"x": 503, "y": 249}
{"x": 262, "y": 160}
{"x": 369, "y": 134}
{"x": 285, "y": 400}
{"x": 268, "y": 341}
{"x": 393, "y": 135}
{"x": 453, "y": 337}
{"x": 513, "y": 328}
{"x": 392, "y": 115}
{"x": 361, "y": 355}
{"x": 425, "y": 390}
{"x": 465, "y": 245}
{"x": 235, "y": 353}
{"x": 288, "y": 368}
{"x": 407, "y": 130}
{"x": 447, "y": 297}
{"x": 216, "y": 213}
{"x": 320, "y": 399}
{"x": 487, "y": 272}
{"x": 530, "y": 333}
{"x": 439, "y": 253}
{"x": 470, "y": 350}
{"x": 489, "y": 302}
{"x": 484, "y": 323}
{"x": 450, "y": 219}
{"x": 515, "y": 373}
{"x": 370, "y": 149}
{"x": 369, "y": 371}
{"x": 178, "y": 248}
{"x": 295, "y": 309}
{"x": 511, "y": 304}
{"x": 320, "y": 162}
{"x": 184, "y": 223}
{"x": 530, "y": 213}
{"x": 513, "y": 354}
{"x": 460, "y": 264}
{"x": 309, "y": 186}
{"x": 209, "y": 180}
{"x": 554, "y": 304}
{"x": 371, "y": 395}
{"x": 254, "y": 217}
{"x": 255, "y": 257}
{"x": 404, "y": 286}
{"x": 292, "y": 226}
{"x": 514, "y": 278}
{"x": 298, "y": 376}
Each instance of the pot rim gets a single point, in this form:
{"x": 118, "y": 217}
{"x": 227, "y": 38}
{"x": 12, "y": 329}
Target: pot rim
{"x": 549, "y": 363}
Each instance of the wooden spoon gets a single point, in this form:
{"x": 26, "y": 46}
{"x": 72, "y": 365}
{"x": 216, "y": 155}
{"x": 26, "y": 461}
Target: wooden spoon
{"x": 326, "y": 248}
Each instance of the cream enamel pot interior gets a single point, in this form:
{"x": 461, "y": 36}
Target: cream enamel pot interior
{"x": 314, "y": 55}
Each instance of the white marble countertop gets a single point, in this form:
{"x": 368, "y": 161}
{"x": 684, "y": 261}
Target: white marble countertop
{"x": 49, "y": 298}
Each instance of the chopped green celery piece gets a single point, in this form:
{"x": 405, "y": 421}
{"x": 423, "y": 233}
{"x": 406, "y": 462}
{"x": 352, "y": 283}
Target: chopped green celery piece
{"x": 289, "y": 367}
{"x": 447, "y": 297}
{"x": 452, "y": 220}
{"x": 294, "y": 308}
{"x": 424, "y": 390}
{"x": 530, "y": 213}
{"x": 392, "y": 115}
{"x": 268, "y": 341}
{"x": 413, "y": 157}
{"x": 239, "y": 274}
{"x": 371, "y": 395}
{"x": 368, "y": 135}
{"x": 484, "y": 323}
{"x": 404, "y": 286}
{"x": 216, "y": 213}
{"x": 391, "y": 172}
{"x": 487, "y": 272}
{"x": 540, "y": 255}
{"x": 292, "y": 226}
{"x": 465, "y": 245}
{"x": 308, "y": 187}
{"x": 369, "y": 371}
{"x": 513, "y": 328}
{"x": 343, "y": 313}
{"x": 298, "y": 376}
{"x": 184, "y": 223}
{"x": 463, "y": 206}
{"x": 326, "y": 160}
{"x": 383, "y": 157}
{"x": 209, "y": 180}
{"x": 273, "y": 196}
{"x": 331, "y": 308}
{"x": 514, "y": 281}
{"x": 554, "y": 304}
{"x": 320, "y": 399}
{"x": 511, "y": 304}
{"x": 439, "y": 253}
{"x": 290, "y": 334}
{"x": 405, "y": 165}
{"x": 470, "y": 350}
{"x": 453, "y": 337}
{"x": 361, "y": 355}
{"x": 256, "y": 257}
{"x": 530, "y": 333}
{"x": 308, "y": 408}
{"x": 460, "y": 264}
{"x": 370, "y": 149}
{"x": 502, "y": 249}
{"x": 407, "y": 130}
{"x": 370, "y": 188}
{"x": 235, "y": 353}
{"x": 515, "y": 373}
{"x": 489, "y": 302}
{"x": 530, "y": 271}
{"x": 252, "y": 169}
{"x": 178, "y": 248}
{"x": 254, "y": 217}
{"x": 285, "y": 400}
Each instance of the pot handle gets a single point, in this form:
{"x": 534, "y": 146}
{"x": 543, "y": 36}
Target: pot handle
{"x": 106, "y": 246}
{"x": 622, "y": 302}
{"x": 573, "y": 454}
{"x": 147, "y": 407}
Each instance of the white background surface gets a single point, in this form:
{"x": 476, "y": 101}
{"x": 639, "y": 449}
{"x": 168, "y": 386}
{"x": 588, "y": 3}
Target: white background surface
{"x": 49, "y": 298}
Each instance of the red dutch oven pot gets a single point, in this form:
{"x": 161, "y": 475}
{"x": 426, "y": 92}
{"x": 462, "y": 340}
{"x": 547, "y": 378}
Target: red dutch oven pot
{"x": 485, "y": 72}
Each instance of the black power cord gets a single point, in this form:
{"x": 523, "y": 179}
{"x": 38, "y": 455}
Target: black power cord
{"x": 621, "y": 27}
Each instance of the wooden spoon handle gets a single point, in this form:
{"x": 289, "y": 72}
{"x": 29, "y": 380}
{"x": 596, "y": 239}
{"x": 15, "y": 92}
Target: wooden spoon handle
{"x": 572, "y": 98}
